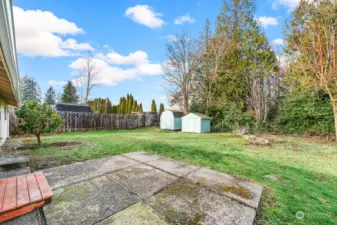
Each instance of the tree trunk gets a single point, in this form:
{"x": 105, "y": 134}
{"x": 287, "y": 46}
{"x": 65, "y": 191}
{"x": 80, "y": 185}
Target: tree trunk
{"x": 185, "y": 103}
{"x": 334, "y": 107}
{"x": 38, "y": 139}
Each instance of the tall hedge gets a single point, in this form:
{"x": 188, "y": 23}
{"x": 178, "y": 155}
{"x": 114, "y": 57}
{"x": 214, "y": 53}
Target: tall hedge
{"x": 305, "y": 113}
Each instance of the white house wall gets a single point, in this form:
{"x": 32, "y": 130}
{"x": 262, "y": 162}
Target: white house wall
{"x": 4, "y": 122}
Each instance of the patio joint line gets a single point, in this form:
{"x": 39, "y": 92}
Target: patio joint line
{"x": 141, "y": 161}
{"x": 205, "y": 187}
{"x": 90, "y": 178}
{"x": 141, "y": 200}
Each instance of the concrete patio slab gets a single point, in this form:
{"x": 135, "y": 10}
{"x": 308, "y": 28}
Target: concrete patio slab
{"x": 13, "y": 162}
{"x": 186, "y": 203}
{"x": 225, "y": 210}
{"x": 173, "y": 203}
{"x": 15, "y": 172}
{"x": 32, "y": 218}
{"x": 142, "y": 156}
{"x": 111, "y": 164}
{"x": 246, "y": 192}
{"x": 142, "y": 179}
{"x": 87, "y": 202}
{"x": 68, "y": 174}
{"x": 142, "y": 188}
{"x": 174, "y": 167}
{"x": 137, "y": 214}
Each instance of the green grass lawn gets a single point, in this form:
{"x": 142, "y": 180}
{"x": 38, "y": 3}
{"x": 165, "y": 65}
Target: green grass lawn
{"x": 306, "y": 168}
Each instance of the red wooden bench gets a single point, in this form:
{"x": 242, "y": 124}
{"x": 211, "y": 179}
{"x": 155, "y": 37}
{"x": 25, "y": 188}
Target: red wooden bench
{"x": 23, "y": 194}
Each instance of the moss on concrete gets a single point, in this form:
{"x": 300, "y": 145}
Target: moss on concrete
{"x": 137, "y": 214}
{"x": 239, "y": 191}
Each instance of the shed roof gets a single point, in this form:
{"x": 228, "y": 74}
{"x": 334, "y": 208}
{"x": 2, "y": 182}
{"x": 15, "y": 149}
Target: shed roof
{"x": 202, "y": 116}
{"x": 176, "y": 113}
{"x": 67, "y": 107}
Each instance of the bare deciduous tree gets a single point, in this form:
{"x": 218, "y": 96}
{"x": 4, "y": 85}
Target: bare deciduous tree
{"x": 184, "y": 56}
{"x": 213, "y": 47}
{"x": 86, "y": 81}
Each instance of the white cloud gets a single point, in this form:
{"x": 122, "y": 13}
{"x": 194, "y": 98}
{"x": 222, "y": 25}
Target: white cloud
{"x": 38, "y": 33}
{"x": 145, "y": 15}
{"x": 72, "y": 44}
{"x": 56, "y": 83}
{"x": 184, "y": 19}
{"x": 110, "y": 74}
{"x": 106, "y": 46}
{"x": 278, "y": 41}
{"x": 290, "y": 4}
{"x": 163, "y": 98}
{"x": 266, "y": 21}
{"x": 170, "y": 37}
{"x": 138, "y": 57}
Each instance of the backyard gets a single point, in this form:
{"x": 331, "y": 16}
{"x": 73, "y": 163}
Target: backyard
{"x": 298, "y": 174}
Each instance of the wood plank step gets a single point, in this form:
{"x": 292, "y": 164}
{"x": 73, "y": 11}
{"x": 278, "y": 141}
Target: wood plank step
{"x": 22, "y": 194}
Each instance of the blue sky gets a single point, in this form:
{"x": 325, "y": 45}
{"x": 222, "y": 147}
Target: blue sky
{"x": 127, "y": 38}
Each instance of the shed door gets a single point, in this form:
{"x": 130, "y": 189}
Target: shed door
{"x": 193, "y": 125}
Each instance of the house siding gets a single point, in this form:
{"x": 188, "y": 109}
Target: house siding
{"x": 4, "y": 122}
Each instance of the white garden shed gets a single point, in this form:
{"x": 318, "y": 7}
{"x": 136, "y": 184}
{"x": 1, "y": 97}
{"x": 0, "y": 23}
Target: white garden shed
{"x": 196, "y": 123}
{"x": 171, "y": 120}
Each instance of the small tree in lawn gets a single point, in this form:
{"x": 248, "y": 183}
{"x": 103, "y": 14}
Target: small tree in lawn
{"x": 153, "y": 106}
{"x": 37, "y": 119}
{"x": 161, "y": 107}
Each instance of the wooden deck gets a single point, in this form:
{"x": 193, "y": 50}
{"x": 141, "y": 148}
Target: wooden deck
{"x": 22, "y": 194}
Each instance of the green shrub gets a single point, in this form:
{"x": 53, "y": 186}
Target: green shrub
{"x": 305, "y": 113}
{"x": 230, "y": 118}
{"x": 37, "y": 119}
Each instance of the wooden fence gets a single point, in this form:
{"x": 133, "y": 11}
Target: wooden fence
{"x": 75, "y": 121}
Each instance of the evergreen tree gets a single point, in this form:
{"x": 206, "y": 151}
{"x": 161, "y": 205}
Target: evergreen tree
{"x": 233, "y": 22}
{"x": 140, "y": 108}
{"x": 130, "y": 104}
{"x": 69, "y": 94}
{"x": 50, "y": 96}
{"x": 29, "y": 89}
{"x": 134, "y": 106}
{"x": 114, "y": 109}
{"x": 161, "y": 107}
{"x": 261, "y": 66}
{"x": 124, "y": 108}
{"x": 153, "y": 106}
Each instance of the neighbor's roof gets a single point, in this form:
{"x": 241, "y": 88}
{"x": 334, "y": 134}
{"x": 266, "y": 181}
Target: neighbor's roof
{"x": 66, "y": 107}
{"x": 202, "y": 116}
